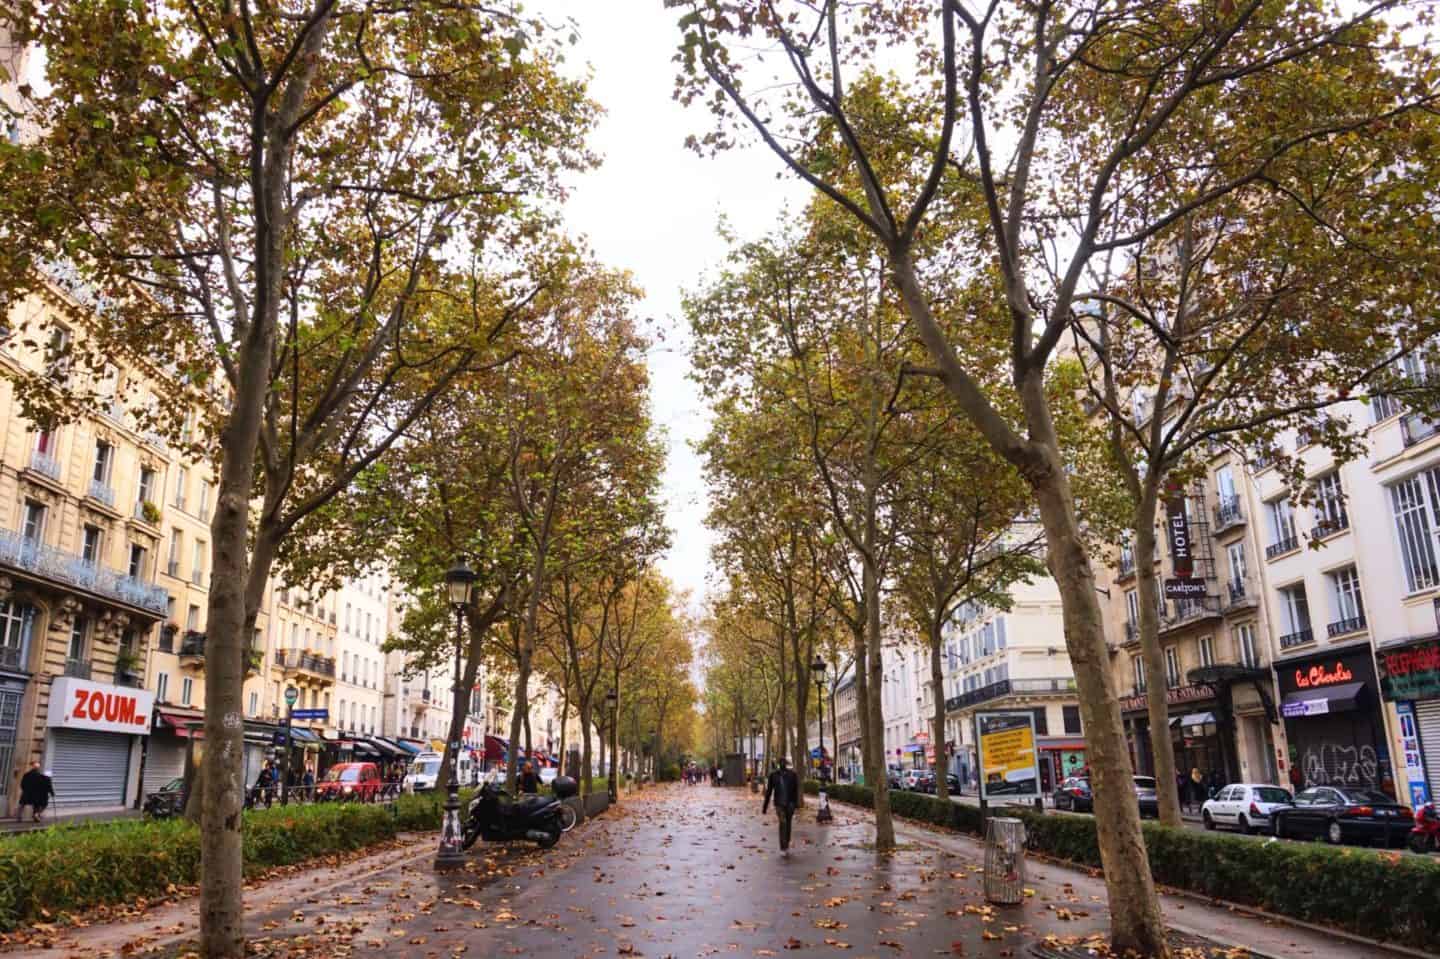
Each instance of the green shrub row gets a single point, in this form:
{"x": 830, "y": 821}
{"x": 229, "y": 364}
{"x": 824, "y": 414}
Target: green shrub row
{"x": 69, "y": 869}
{"x": 1384, "y": 896}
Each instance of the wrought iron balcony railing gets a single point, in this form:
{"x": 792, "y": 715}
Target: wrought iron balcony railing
{"x": 1298, "y": 638}
{"x": 45, "y": 465}
{"x": 1279, "y": 548}
{"x": 1352, "y": 624}
{"x": 69, "y": 569}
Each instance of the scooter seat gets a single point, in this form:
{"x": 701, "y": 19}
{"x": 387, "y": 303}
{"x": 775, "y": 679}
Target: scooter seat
{"x": 530, "y": 803}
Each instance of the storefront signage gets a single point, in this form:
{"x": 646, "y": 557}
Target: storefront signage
{"x": 1187, "y": 588}
{"x": 1305, "y": 707}
{"x": 1317, "y": 675}
{"x": 82, "y": 704}
{"x": 1177, "y": 525}
{"x": 1410, "y": 748}
{"x": 1410, "y": 672}
{"x": 1009, "y": 763}
{"x": 321, "y": 714}
{"x": 1174, "y": 697}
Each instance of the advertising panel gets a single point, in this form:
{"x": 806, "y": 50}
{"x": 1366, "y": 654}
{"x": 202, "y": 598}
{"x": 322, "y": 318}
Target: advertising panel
{"x": 1009, "y": 762}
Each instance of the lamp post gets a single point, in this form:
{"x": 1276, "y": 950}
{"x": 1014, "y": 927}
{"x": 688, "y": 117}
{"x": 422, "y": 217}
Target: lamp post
{"x": 458, "y": 580}
{"x": 754, "y": 760}
{"x": 818, "y": 669}
{"x": 612, "y": 703}
{"x": 291, "y": 696}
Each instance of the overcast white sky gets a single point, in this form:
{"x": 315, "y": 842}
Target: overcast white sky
{"x": 653, "y": 208}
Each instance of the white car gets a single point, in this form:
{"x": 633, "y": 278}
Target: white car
{"x": 548, "y": 774}
{"x": 1245, "y": 806}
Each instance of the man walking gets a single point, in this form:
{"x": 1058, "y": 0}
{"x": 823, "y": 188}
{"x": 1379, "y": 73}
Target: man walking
{"x": 36, "y": 788}
{"x": 529, "y": 782}
{"x": 784, "y": 787}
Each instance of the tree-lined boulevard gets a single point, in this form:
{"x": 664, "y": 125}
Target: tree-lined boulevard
{"x": 1046, "y": 263}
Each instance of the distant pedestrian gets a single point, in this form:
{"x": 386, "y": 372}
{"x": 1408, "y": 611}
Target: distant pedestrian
{"x": 1217, "y": 782}
{"x": 36, "y": 790}
{"x": 784, "y": 787}
{"x": 307, "y": 783}
{"x": 1197, "y": 786}
{"x": 529, "y": 782}
{"x": 1297, "y": 781}
{"x": 1182, "y": 788}
{"x": 265, "y": 784}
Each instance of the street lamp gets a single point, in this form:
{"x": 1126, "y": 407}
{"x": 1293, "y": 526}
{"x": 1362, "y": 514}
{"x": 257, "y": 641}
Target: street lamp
{"x": 612, "y": 703}
{"x": 818, "y": 669}
{"x": 292, "y": 695}
{"x": 458, "y": 580}
{"x": 754, "y": 760}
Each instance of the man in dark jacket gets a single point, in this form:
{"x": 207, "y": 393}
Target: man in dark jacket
{"x": 784, "y": 787}
{"x": 529, "y": 782}
{"x": 35, "y": 792}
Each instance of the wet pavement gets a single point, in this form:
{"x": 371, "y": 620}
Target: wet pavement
{"x": 681, "y": 872}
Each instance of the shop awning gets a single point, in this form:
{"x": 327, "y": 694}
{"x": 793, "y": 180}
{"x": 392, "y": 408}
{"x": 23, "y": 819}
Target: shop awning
{"x": 1319, "y": 702}
{"x": 387, "y": 749}
{"x": 409, "y": 747}
{"x": 299, "y": 734}
{"x": 496, "y": 748}
{"x": 1196, "y": 719}
{"x": 181, "y": 724}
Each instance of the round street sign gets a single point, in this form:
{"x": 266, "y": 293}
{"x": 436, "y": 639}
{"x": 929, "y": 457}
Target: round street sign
{"x": 291, "y": 695}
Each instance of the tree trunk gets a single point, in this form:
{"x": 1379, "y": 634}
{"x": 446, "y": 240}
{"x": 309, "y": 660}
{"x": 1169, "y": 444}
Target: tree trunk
{"x": 880, "y": 788}
{"x": 937, "y": 734}
{"x": 1161, "y": 745}
{"x": 1135, "y": 921}
{"x": 868, "y": 749}
{"x": 586, "y": 778}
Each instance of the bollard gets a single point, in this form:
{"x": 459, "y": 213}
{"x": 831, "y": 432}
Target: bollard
{"x": 1004, "y": 860}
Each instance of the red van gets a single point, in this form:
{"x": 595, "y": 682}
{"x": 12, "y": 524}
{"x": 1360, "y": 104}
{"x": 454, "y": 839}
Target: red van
{"x": 350, "y": 782}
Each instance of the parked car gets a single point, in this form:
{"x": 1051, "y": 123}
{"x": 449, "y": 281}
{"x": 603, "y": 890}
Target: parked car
{"x": 1148, "y": 798}
{"x": 952, "y": 782}
{"x": 1246, "y": 806}
{"x": 1074, "y": 794}
{"x": 895, "y": 777}
{"x": 167, "y": 801}
{"x": 350, "y": 782}
{"x": 1343, "y": 815}
{"x": 925, "y": 782}
{"x": 548, "y": 774}
{"x": 911, "y": 779}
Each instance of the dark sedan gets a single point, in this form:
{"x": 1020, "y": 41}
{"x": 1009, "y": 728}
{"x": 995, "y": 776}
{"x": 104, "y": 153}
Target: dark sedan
{"x": 952, "y": 782}
{"x": 1343, "y": 815}
{"x": 1148, "y": 798}
{"x": 1074, "y": 794}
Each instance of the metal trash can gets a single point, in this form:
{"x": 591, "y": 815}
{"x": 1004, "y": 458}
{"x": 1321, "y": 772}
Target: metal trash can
{"x": 1005, "y": 861}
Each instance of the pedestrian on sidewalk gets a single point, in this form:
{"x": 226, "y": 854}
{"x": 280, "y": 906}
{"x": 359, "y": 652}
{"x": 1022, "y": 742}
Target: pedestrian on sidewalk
{"x": 529, "y": 782}
{"x": 784, "y": 787}
{"x": 1197, "y": 786}
{"x": 36, "y": 789}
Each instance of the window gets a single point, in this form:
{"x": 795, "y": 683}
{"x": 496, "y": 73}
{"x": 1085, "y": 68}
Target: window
{"x": 1294, "y": 614}
{"x": 57, "y": 354}
{"x": 90, "y": 545}
{"x": 192, "y": 617}
{"x": 1072, "y": 719}
{"x": 204, "y": 500}
{"x": 1207, "y": 651}
{"x": 177, "y": 540}
{"x": 197, "y": 562}
{"x": 1282, "y": 527}
{"x": 1330, "y": 515}
{"x": 1383, "y": 407}
{"x": 182, "y": 477}
{"x": 1349, "y": 605}
{"x": 1172, "y": 667}
{"x": 45, "y": 442}
{"x": 254, "y": 704}
{"x": 1225, "y": 485}
{"x": 1415, "y": 502}
{"x": 146, "y": 493}
{"x": 187, "y": 687}
{"x": 162, "y": 687}
{"x": 1132, "y": 606}
{"x": 79, "y": 626}
{"x": 1138, "y": 665}
{"x": 344, "y": 667}
{"x": 294, "y": 635}
{"x": 33, "y": 529}
{"x": 104, "y": 457}
{"x": 17, "y": 625}
{"x": 136, "y": 568}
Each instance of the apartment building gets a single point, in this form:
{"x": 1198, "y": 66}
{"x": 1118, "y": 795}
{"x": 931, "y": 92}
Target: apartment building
{"x": 1014, "y": 660}
{"x": 362, "y": 631}
{"x": 845, "y": 706}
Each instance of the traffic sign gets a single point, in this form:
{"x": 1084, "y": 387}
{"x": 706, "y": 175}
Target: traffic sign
{"x": 321, "y": 714}
{"x": 291, "y": 695}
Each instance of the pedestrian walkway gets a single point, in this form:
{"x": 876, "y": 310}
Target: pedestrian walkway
{"x": 682, "y": 871}
{"x": 54, "y": 818}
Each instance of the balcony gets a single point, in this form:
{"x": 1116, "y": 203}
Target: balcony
{"x": 10, "y": 657}
{"x": 1415, "y": 428}
{"x": 1127, "y": 564}
{"x": 45, "y": 464}
{"x": 1132, "y": 632}
{"x": 167, "y": 637}
{"x": 78, "y": 668}
{"x": 1354, "y": 624}
{"x": 1009, "y": 687}
{"x": 1228, "y": 513}
{"x": 1238, "y": 593}
{"x": 67, "y": 569}
{"x": 1297, "y": 638}
{"x": 114, "y": 411}
{"x": 192, "y": 648}
{"x": 306, "y": 665}
{"x": 1185, "y": 611}
{"x": 1287, "y": 545}
{"x": 1328, "y": 526}
{"x": 101, "y": 493}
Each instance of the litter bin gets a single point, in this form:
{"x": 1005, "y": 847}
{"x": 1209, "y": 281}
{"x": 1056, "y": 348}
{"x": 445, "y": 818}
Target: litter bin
{"x": 1005, "y": 861}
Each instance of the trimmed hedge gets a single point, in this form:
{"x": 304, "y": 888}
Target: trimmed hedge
{"x": 68, "y": 869}
{"x": 1381, "y": 895}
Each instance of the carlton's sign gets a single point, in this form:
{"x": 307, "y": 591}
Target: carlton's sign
{"x": 81, "y": 704}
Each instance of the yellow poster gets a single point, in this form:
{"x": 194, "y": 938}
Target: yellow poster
{"x": 1008, "y": 761}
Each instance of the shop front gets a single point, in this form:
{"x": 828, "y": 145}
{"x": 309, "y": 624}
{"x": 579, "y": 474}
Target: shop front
{"x": 1410, "y": 678}
{"x": 1199, "y": 728}
{"x": 170, "y": 740}
{"x": 1331, "y": 708}
{"x": 1059, "y": 760}
{"x": 92, "y": 741}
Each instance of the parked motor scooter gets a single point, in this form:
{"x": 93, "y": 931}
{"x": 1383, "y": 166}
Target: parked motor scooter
{"x": 496, "y": 817}
{"x": 1425, "y": 834}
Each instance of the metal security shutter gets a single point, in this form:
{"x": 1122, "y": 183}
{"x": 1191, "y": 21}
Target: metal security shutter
{"x": 1427, "y": 721}
{"x": 164, "y": 761}
{"x": 89, "y": 768}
